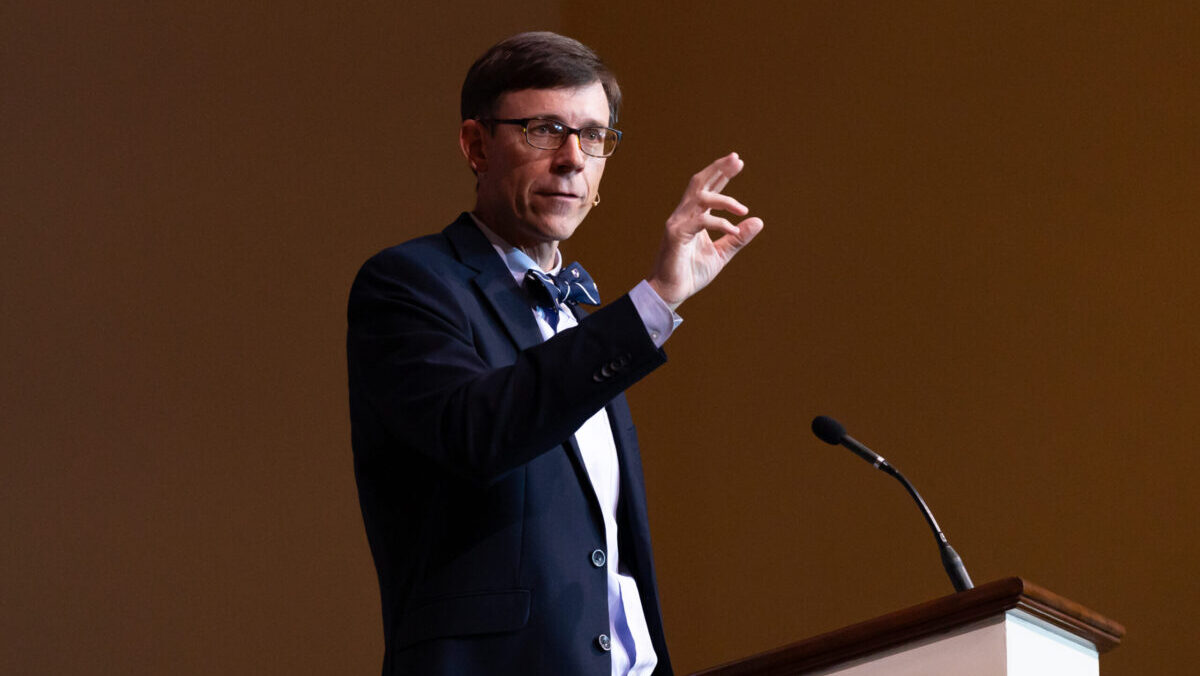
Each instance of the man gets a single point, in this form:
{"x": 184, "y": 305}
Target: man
{"x": 497, "y": 465}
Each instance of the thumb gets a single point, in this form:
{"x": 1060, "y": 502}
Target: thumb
{"x": 731, "y": 243}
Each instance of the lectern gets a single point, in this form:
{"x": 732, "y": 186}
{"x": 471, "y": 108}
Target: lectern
{"x": 1009, "y": 627}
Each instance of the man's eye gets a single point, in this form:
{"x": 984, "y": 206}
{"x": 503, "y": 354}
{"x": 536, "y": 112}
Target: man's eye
{"x": 544, "y": 128}
{"x": 592, "y": 134}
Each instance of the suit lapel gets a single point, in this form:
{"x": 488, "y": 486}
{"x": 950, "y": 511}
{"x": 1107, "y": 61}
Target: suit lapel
{"x": 494, "y": 281}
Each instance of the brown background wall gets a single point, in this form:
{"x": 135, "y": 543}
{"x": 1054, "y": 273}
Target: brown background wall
{"x": 980, "y": 255}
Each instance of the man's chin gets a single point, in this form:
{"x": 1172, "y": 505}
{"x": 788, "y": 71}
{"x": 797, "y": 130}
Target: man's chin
{"x": 559, "y": 228}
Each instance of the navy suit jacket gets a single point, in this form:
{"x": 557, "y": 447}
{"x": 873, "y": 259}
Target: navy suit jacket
{"x": 479, "y": 512}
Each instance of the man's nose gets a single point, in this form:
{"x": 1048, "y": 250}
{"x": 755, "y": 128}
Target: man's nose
{"x": 569, "y": 156}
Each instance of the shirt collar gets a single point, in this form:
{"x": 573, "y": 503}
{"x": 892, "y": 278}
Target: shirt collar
{"x": 517, "y": 261}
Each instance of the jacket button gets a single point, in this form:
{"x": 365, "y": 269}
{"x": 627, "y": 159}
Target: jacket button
{"x": 598, "y": 558}
{"x": 603, "y": 641}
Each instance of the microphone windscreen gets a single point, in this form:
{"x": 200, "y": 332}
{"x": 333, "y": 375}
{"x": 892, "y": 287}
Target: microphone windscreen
{"x": 828, "y": 430}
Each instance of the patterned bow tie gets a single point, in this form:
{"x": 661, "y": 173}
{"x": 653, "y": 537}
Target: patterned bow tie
{"x": 572, "y": 285}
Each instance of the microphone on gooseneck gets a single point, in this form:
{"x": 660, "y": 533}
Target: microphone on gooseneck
{"x": 831, "y": 432}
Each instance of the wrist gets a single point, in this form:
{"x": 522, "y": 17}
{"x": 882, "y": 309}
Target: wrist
{"x": 659, "y": 288}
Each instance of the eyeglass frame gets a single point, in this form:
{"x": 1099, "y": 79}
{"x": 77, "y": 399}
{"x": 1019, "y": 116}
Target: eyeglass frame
{"x": 523, "y": 123}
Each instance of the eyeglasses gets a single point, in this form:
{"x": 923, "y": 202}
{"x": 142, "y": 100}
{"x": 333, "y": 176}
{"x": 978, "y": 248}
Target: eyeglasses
{"x": 549, "y": 134}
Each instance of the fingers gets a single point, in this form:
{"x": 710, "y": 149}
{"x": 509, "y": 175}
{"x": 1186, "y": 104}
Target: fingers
{"x": 704, "y": 195}
{"x": 710, "y": 222}
{"x": 704, "y": 190}
{"x": 716, "y": 176}
{"x": 721, "y": 202}
{"x": 702, "y": 202}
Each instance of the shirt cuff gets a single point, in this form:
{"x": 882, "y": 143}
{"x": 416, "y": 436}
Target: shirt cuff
{"x": 659, "y": 320}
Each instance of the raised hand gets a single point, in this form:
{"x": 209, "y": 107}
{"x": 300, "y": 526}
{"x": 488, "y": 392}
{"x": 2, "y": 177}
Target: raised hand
{"x": 689, "y": 258}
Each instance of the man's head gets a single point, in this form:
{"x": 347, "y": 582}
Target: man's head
{"x": 535, "y": 197}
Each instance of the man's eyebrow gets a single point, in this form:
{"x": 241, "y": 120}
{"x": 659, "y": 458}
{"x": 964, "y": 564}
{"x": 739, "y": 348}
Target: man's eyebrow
{"x": 589, "y": 122}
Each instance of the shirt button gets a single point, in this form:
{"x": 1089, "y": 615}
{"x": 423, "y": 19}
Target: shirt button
{"x": 598, "y": 558}
{"x": 603, "y": 641}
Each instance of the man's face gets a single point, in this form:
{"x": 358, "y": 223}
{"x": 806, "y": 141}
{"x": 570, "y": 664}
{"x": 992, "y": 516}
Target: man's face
{"x": 534, "y": 197}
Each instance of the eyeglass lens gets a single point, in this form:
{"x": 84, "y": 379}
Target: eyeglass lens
{"x": 551, "y": 134}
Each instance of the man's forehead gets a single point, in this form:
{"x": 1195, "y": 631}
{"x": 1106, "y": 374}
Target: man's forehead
{"x": 585, "y": 104}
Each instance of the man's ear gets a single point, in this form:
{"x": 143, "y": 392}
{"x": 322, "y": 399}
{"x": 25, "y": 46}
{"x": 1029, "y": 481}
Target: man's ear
{"x": 472, "y": 140}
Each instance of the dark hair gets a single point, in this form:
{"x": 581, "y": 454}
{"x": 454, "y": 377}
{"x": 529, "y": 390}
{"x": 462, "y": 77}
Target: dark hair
{"x": 539, "y": 60}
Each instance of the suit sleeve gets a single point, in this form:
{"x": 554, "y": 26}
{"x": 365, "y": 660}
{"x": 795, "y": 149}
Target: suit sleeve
{"x": 420, "y": 377}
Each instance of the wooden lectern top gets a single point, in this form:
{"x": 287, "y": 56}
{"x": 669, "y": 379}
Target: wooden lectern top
{"x": 932, "y": 617}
